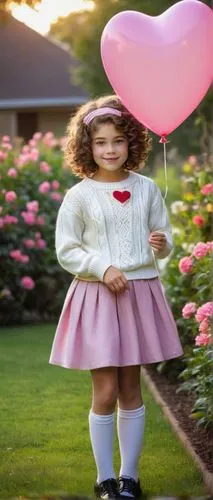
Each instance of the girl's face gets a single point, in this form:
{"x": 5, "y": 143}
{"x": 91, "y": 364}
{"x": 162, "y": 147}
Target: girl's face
{"x": 109, "y": 147}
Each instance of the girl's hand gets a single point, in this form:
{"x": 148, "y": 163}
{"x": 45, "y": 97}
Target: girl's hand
{"x": 157, "y": 240}
{"x": 115, "y": 280}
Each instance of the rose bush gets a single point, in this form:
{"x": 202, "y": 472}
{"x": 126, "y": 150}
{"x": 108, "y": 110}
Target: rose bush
{"x": 187, "y": 279}
{"x": 198, "y": 375}
{"x": 33, "y": 182}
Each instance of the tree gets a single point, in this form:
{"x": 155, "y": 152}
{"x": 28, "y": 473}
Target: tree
{"x": 82, "y": 32}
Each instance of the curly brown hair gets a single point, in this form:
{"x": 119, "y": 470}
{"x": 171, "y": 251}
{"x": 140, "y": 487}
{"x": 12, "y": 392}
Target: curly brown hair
{"x": 78, "y": 148}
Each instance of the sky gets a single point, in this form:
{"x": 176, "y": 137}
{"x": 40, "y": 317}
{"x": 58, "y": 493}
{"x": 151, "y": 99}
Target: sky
{"x": 47, "y": 11}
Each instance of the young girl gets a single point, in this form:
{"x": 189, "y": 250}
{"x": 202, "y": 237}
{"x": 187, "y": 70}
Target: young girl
{"x": 110, "y": 228}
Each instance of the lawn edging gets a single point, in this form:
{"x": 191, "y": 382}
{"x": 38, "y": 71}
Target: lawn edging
{"x": 207, "y": 476}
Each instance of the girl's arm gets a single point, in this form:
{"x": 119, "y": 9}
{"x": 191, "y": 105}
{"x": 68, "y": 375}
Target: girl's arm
{"x": 68, "y": 241}
{"x": 159, "y": 221}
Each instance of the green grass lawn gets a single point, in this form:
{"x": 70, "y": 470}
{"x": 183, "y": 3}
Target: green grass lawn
{"x": 45, "y": 447}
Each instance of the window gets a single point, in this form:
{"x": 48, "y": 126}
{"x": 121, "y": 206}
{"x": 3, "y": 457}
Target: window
{"x": 27, "y": 124}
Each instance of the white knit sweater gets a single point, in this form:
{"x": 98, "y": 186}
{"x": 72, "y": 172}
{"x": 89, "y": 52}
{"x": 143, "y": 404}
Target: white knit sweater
{"x": 94, "y": 230}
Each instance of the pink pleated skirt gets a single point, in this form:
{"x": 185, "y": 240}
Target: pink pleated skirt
{"x": 98, "y": 328}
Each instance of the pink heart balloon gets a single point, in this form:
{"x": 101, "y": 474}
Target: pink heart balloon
{"x": 161, "y": 67}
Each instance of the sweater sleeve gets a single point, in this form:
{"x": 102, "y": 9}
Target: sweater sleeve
{"x": 159, "y": 221}
{"x": 68, "y": 241}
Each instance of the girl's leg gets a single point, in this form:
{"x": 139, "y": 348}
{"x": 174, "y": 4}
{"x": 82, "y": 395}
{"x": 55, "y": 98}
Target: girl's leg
{"x": 129, "y": 387}
{"x": 130, "y": 420}
{"x": 105, "y": 390}
{"x": 101, "y": 420}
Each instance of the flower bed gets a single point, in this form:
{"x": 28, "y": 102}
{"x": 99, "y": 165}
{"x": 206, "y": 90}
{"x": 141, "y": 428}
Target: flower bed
{"x": 187, "y": 280}
{"x": 33, "y": 182}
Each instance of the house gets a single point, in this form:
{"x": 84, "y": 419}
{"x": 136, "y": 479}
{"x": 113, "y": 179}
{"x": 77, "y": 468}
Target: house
{"x": 37, "y": 92}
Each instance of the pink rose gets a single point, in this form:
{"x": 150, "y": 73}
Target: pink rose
{"x": 33, "y": 206}
{"x": 29, "y": 243}
{"x": 3, "y": 156}
{"x": 55, "y": 184}
{"x": 44, "y": 167}
{"x": 29, "y": 218}
{"x": 19, "y": 257}
{"x": 189, "y": 309}
{"x": 204, "y": 326}
{"x": 32, "y": 143}
{"x": 24, "y": 259}
{"x": 37, "y": 235}
{"x": 192, "y": 160}
{"x": 25, "y": 149}
{"x": 207, "y": 189}
{"x": 12, "y": 172}
{"x": 200, "y": 250}
{"x": 202, "y": 339}
{"x": 16, "y": 255}
{"x": 6, "y": 138}
{"x": 56, "y": 196}
{"x": 198, "y": 220}
{"x": 10, "y": 219}
{"x": 22, "y": 160}
{"x": 44, "y": 187}
{"x": 37, "y": 136}
{"x": 10, "y": 196}
{"x": 40, "y": 221}
{"x": 205, "y": 311}
{"x": 7, "y": 145}
{"x": 210, "y": 245}
{"x": 27, "y": 282}
{"x": 34, "y": 154}
{"x": 49, "y": 135}
{"x": 41, "y": 244}
{"x": 49, "y": 140}
{"x": 185, "y": 265}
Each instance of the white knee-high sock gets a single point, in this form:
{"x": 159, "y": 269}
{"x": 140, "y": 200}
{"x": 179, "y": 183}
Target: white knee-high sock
{"x": 101, "y": 434}
{"x": 130, "y": 426}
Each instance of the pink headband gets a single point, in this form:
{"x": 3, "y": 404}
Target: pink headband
{"x": 101, "y": 111}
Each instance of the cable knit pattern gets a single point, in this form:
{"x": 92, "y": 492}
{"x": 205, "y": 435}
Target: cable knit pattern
{"x": 94, "y": 230}
{"x": 123, "y": 223}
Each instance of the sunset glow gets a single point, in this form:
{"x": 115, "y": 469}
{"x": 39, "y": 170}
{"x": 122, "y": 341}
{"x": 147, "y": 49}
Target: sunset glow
{"x": 47, "y": 12}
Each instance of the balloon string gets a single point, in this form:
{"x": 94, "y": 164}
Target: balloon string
{"x": 165, "y": 171}
{"x": 164, "y": 141}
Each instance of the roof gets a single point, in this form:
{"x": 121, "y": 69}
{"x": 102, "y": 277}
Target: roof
{"x": 35, "y": 71}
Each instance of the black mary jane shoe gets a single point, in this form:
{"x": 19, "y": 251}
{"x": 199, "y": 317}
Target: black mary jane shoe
{"x": 129, "y": 485}
{"x": 107, "y": 489}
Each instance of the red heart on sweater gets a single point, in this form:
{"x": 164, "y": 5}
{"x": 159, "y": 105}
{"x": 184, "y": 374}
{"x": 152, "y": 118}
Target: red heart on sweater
{"x": 121, "y": 196}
